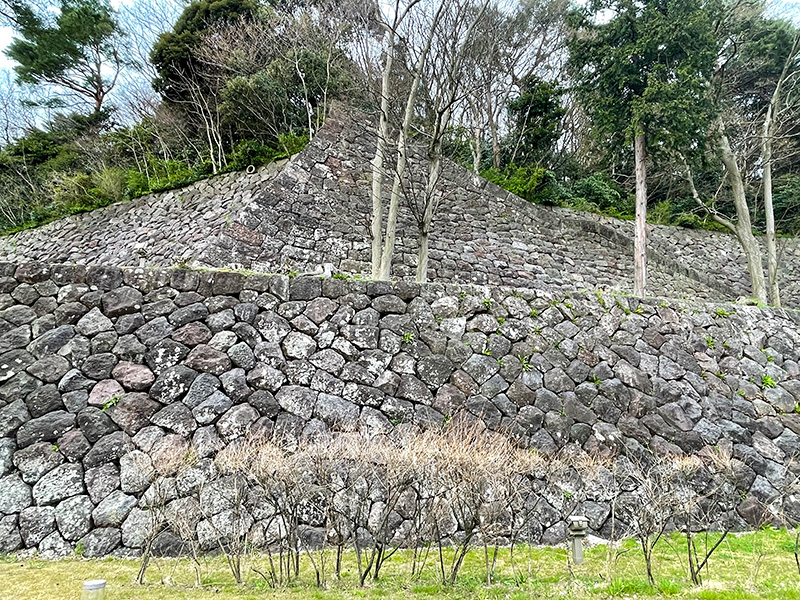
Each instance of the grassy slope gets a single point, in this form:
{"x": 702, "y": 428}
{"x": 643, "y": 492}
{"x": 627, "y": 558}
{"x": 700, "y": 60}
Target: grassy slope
{"x": 749, "y": 566}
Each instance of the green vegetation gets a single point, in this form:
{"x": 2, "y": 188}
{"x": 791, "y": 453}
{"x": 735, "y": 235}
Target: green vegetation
{"x": 218, "y": 110}
{"x": 747, "y": 566}
{"x": 53, "y": 156}
{"x": 78, "y": 50}
{"x": 111, "y": 402}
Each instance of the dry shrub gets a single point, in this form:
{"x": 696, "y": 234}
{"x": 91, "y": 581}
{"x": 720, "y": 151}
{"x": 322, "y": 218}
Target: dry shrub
{"x": 458, "y": 486}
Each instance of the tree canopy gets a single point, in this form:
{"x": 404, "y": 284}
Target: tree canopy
{"x": 173, "y": 54}
{"x": 77, "y": 50}
{"x": 644, "y": 70}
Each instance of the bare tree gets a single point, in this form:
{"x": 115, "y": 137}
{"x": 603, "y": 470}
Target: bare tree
{"x": 650, "y": 507}
{"x": 244, "y": 57}
{"x": 397, "y": 13}
{"x": 144, "y": 21}
{"x": 429, "y": 23}
{"x": 526, "y": 38}
{"x": 747, "y": 98}
{"x": 767, "y": 140}
{"x": 15, "y": 118}
{"x": 444, "y": 83}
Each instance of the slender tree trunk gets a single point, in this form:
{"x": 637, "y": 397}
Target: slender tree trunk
{"x": 477, "y": 149}
{"x": 402, "y": 155}
{"x": 394, "y": 208}
{"x": 744, "y": 227}
{"x": 422, "y": 256}
{"x": 145, "y": 562}
{"x": 640, "y": 238}
{"x": 380, "y": 154}
{"x": 444, "y": 111}
{"x": 766, "y": 156}
{"x": 769, "y": 212}
{"x": 495, "y": 134}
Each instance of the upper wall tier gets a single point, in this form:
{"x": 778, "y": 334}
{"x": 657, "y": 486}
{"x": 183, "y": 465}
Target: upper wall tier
{"x": 316, "y": 210}
{"x": 158, "y": 229}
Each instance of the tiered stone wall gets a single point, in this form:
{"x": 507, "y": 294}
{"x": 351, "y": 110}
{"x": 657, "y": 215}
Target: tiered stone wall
{"x": 713, "y": 258}
{"x": 316, "y": 211}
{"x": 107, "y": 371}
{"x": 158, "y": 229}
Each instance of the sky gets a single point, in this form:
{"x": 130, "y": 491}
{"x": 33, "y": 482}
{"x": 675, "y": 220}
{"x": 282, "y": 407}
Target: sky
{"x": 5, "y": 39}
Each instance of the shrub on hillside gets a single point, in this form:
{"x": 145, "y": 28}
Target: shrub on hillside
{"x": 599, "y": 191}
{"x": 525, "y": 182}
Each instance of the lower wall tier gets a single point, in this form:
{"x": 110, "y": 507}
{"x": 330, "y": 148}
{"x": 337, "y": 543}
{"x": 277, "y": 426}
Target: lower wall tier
{"x": 107, "y": 375}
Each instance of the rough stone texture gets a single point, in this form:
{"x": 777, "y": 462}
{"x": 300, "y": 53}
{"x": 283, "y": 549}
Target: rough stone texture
{"x": 74, "y": 517}
{"x": 288, "y": 217}
{"x": 560, "y": 372}
{"x": 15, "y": 495}
{"x": 159, "y": 229}
{"x": 113, "y": 510}
{"x": 62, "y": 482}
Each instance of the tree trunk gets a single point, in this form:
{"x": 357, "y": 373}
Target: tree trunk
{"x": 422, "y": 257}
{"x": 766, "y": 156}
{"x": 640, "y": 238}
{"x": 380, "y": 153}
{"x": 402, "y": 156}
{"x": 769, "y": 212}
{"x": 496, "y": 153}
{"x": 477, "y": 149}
{"x": 744, "y": 227}
{"x": 435, "y": 148}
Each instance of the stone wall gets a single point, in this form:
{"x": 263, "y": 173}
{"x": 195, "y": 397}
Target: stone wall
{"x": 158, "y": 229}
{"x": 316, "y": 211}
{"x": 105, "y": 371}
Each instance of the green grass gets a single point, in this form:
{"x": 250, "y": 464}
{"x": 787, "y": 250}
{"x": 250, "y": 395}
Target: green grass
{"x": 748, "y": 566}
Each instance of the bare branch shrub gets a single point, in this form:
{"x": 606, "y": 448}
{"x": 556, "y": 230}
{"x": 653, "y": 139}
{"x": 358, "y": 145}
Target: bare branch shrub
{"x": 647, "y": 502}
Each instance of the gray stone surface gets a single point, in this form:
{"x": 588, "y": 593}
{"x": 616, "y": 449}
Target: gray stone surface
{"x": 308, "y": 361}
{"x": 100, "y": 542}
{"x": 36, "y": 460}
{"x": 10, "y": 539}
{"x": 15, "y": 495}
{"x": 62, "y": 482}
{"x": 529, "y": 244}
{"x": 74, "y": 517}
{"x": 113, "y": 509}
{"x": 36, "y": 523}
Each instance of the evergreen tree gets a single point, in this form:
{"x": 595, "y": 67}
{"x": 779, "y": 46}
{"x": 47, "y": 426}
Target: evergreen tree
{"x": 640, "y": 76}
{"x": 78, "y": 51}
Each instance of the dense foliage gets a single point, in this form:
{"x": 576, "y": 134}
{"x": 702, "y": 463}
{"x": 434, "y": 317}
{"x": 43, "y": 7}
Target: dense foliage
{"x": 248, "y": 109}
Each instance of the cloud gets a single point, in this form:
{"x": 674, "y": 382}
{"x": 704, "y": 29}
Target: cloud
{"x": 6, "y": 33}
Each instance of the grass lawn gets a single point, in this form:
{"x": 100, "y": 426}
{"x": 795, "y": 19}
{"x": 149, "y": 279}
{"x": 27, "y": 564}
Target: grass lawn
{"x": 753, "y": 565}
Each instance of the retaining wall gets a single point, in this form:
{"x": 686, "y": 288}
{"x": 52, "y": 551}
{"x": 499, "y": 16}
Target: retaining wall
{"x": 316, "y": 210}
{"x": 105, "y": 371}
